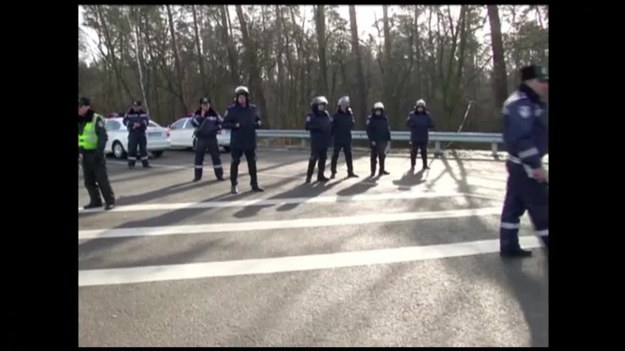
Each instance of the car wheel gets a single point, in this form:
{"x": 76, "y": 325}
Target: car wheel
{"x": 118, "y": 150}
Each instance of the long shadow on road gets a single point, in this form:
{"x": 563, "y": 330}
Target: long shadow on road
{"x": 96, "y": 247}
{"x": 409, "y": 180}
{"x": 302, "y": 190}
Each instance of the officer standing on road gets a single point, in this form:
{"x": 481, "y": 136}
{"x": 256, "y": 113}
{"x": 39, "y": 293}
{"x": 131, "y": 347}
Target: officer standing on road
{"x": 379, "y": 135}
{"x": 419, "y": 122}
{"x": 137, "y": 120}
{"x": 243, "y": 120}
{"x": 525, "y": 136}
{"x": 207, "y": 123}
{"x": 319, "y": 124}
{"x": 92, "y": 139}
{"x": 342, "y": 124}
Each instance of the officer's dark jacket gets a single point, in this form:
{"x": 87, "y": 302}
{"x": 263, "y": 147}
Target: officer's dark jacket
{"x": 131, "y": 117}
{"x": 342, "y": 124}
{"x": 525, "y": 128}
{"x": 244, "y": 136}
{"x": 100, "y": 129}
{"x": 419, "y": 124}
{"x": 378, "y": 129}
{"x": 208, "y": 125}
{"x": 319, "y": 124}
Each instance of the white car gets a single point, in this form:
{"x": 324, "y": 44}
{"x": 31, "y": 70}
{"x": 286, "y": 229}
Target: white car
{"x": 117, "y": 144}
{"x": 181, "y": 135}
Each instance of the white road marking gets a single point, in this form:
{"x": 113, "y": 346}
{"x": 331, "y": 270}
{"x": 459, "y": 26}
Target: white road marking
{"x": 290, "y": 263}
{"x": 282, "y": 224}
{"x": 278, "y": 201}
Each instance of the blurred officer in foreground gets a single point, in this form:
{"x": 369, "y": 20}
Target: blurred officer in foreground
{"x": 319, "y": 124}
{"x": 419, "y": 122}
{"x": 137, "y": 120}
{"x": 207, "y": 123}
{"x": 379, "y": 135}
{"x": 342, "y": 124}
{"x": 243, "y": 120}
{"x": 92, "y": 139}
{"x": 525, "y": 136}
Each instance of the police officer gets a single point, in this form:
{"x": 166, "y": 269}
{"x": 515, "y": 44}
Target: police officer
{"x": 92, "y": 139}
{"x": 137, "y": 120}
{"x": 242, "y": 119}
{"x": 319, "y": 124}
{"x": 419, "y": 122}
{"x": 207, "y": 123}
{"x": 379, "y": 135}
{"x": 342, "y": 124}
{"x": 525, "y": 137}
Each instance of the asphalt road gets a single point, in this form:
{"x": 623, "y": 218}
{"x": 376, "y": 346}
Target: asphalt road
{"x": 400, "y": 260}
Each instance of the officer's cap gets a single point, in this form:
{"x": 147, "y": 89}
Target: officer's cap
{"x": 534, "y": 72}
{"x": 205, "y": 100}
{"x": 136, "y": 103}
{"x": 378, "y": 106}
{"x": 83, "y": 101}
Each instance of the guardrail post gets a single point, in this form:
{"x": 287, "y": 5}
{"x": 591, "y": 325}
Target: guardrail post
{"x": 494, "y": 149}
{"x": 438, "y": 151}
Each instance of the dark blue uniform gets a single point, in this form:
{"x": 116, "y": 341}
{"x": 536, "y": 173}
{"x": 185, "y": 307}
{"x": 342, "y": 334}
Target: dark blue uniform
{"x": 378, "y": 132}
{"x": 207, "y": 126}
{"x": 242, "y": 138}
{"x": 137, "y": 136}
{"x": 342, "y": 124}
{"x": 319, "y": 124}
{"x": 419, "y": 124}
{"x": 525, "y": 137}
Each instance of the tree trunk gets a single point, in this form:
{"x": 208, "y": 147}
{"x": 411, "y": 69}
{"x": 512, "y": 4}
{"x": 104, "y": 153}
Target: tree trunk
{"x": 227, "y": 39}
{"x": 320, "y": 21}
{"x": 500, "y": 76}
{"x": 360, "y": 112}
{"x": 138, "y": 55}
{"x": 198, "y": 47}
{"x": 255, "y": 79}
{"x": 179, "y": 74}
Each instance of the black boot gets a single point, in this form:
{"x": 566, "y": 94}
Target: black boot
{"x": 311, "y": 169}
{"x": 93, "y": 205}
{"x": 373, "y": 166}
{"x": 517, "y": 253}
{"x": 198, "y": 173}
{"x": 333, "y": 166}
{"x": 234, "y": 189}
{"x": 320, "y": 174}
{"x": 382, "y": 170}
{"x": 350, "y": 166}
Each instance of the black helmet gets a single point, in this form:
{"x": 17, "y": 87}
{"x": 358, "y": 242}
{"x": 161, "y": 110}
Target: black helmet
{"x": 84, "y": 101}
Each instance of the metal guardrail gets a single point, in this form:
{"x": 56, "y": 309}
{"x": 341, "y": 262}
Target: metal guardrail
{"x": 437, "y": 137}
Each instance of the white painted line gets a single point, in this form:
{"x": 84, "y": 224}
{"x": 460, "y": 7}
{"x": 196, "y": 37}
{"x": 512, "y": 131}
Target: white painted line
{"x": 282, "y": 224}
{"x": 278, "y": 201}
{"x": 291, "y": 263}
